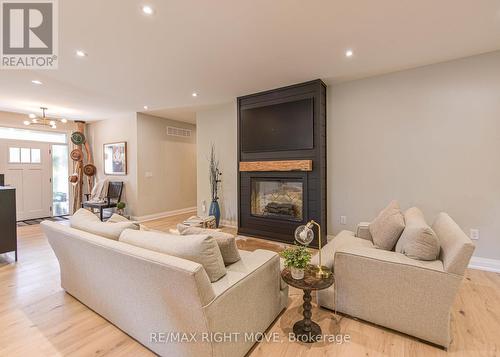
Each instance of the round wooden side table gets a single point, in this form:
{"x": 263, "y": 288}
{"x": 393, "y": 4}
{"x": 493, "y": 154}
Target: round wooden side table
{"x": 307, "y": 330}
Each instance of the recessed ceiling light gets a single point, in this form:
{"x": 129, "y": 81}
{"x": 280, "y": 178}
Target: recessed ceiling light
{"x": 26, "y": 122}
{"x": 34, "y": 121}
{"x": 194, "y": 94}
{"x": 148, "y": 10}
{"x": 81, "y": 53}
{"x": 35, "y": 81}
{"x": 349, "y": 53}
{"x": 146, "y": 107}
{"x": 32, "y": 116}
{"x": 64, "y": 120}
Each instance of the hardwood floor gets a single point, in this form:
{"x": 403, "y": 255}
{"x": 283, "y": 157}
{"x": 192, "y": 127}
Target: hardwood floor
{"x": 37, "y": 318}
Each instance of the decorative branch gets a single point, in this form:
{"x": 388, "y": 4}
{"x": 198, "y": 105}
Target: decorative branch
{"x": 214, "y": 174}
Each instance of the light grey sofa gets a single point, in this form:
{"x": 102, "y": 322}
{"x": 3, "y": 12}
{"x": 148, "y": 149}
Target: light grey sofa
{"x": 392, "y": 290}
{"x": 145, "y": 292}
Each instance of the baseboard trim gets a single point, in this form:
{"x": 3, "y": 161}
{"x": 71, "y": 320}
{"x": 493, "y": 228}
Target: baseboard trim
{"x": 486, "y": 264}
{"x": 228, "y": 223}
{"x": 165, "y": 214}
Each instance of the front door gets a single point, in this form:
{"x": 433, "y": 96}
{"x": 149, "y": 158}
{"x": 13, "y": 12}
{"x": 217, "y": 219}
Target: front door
{"x": 28, "y": 168}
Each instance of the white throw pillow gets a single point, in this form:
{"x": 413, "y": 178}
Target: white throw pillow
{"x": 418, "y": 240}
{"x": 86, "y": 221}
{"x": 225, "y": 241}
{"x": 387, "y": 227}
{"x": 201, "y": 249}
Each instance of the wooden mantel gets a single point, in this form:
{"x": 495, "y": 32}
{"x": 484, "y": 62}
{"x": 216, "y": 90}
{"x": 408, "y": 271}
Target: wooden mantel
{"x": 286, "y": 165}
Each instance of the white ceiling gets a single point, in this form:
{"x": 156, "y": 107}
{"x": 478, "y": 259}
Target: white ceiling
{"x": 226, "y": 48}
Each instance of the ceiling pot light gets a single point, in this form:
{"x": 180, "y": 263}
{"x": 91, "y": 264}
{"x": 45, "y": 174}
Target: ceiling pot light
{"x": 194, "y": 94}
{"x": 80, "y": 53}
{"x": 26, "y": 122}
{"x": 36, "y": 81}
{"x": 148, "y": 10}
{"x": 32, "y": 116}
{"x": 349, "y": 53}
{"x": 146, "y": 107}
{"x": 34, "y": 121}
{"x": 64, "y": 120}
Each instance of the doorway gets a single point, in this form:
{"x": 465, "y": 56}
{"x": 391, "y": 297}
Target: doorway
{"x": 36, "y": 163}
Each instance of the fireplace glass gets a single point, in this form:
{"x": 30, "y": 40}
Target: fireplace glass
{"x": 279, "y": 199}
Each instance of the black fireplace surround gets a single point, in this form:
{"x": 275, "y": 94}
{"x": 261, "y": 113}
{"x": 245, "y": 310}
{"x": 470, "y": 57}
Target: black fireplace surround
{"x": 282, "y": 124}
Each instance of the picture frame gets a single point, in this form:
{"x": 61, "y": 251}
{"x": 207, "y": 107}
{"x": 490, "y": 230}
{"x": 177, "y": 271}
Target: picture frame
{"x": 115, "y": 158}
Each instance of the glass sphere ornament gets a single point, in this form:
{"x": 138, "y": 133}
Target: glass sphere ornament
{"x": 304, "y": 235}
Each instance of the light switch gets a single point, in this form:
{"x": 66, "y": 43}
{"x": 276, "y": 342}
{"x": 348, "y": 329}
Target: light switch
{"x": 474, "y": 234}
{"x": 148, "y": 174}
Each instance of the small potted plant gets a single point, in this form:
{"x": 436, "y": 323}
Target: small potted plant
{"x": 296, "y": 259}
{"x": 120, "y": 206}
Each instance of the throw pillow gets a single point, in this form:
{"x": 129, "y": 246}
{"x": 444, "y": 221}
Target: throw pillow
{"x": 225, "y": 241}
{"x": 201, "y": 249}
{"x": 86, "y": 221}
{"x": 387, "y": 227}
{"x": 418, "y": 240}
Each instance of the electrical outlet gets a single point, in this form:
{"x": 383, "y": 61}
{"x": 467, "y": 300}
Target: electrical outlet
{"x": 343, "y": 220}
{"x": 474, "y": 234}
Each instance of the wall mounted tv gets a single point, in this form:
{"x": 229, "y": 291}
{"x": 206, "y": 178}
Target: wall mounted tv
{"x": 278, "y": 127}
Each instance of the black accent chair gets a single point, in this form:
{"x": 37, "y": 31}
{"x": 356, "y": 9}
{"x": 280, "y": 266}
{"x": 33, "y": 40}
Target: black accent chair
{"x": 114, "y": 196}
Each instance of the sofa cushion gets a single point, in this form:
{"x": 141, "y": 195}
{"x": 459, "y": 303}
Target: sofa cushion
{"x": 244, "y": 269}
{"x": 387, "y": 227}
{"x": 225, "y": 241}
{"x": 202, "y": 249}
{"x": 86, "y": 221}
{"x": 418, "y": 240}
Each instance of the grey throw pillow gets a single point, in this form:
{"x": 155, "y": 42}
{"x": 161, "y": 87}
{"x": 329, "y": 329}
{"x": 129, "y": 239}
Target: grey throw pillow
{"x": 418, "y": 240}
{"x": 86, "y": 221}
{"x": 201, "y": 249}
{"x": 225, "y": 241}
{"x": 387, "y": 227}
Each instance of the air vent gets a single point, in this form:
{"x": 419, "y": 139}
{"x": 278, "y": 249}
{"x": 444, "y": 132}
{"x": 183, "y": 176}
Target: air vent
{"x": 180, "y": 132}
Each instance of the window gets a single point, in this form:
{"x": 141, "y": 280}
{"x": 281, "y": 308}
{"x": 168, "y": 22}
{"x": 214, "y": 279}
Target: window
{"x": 32, "y": 135}
{"x": 14, "y": 155}
{"x": 25, "y": 156}
{"x": 35, "y": 156}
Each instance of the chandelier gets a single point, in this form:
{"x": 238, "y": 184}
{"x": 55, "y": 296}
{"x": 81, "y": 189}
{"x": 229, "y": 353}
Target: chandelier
{"x": 43, "y": 120}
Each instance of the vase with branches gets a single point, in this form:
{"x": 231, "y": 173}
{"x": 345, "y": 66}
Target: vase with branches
{"x": 215, "y": 180}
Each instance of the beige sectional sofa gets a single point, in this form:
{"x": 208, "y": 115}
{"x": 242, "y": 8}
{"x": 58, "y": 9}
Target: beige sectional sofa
{"x": 146, "y": 293}
{"x": 390, "y": 289}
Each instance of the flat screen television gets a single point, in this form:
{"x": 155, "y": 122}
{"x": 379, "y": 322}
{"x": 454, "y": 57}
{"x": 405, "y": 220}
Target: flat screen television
{"x": 278, "y": 127}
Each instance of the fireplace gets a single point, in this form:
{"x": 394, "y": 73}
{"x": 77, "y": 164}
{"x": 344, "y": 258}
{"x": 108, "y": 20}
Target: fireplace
{"x": 277, "y": 199}
{"x": 282, "y": 161}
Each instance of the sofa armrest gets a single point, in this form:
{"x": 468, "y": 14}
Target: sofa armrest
{"x": 249, "y": 305}
{"x": 392, "y": 290}
{"x": 363, "y": 231}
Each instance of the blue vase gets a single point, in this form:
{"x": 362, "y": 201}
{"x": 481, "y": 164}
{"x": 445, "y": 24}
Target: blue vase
{"x": 215, "y": 211}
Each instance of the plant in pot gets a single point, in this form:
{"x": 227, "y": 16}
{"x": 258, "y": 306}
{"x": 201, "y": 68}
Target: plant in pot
{"x": 214, "y": 175}
{"x": 120, "y": 206}
{"x": 296, "y": 259}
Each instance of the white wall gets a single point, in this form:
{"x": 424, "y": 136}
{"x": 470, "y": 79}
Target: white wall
{"x": 172, "y": 163}
{"x": 218, "y": 126}
{"x": 428, "y": 137}
{"x": 115, "y": 130}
